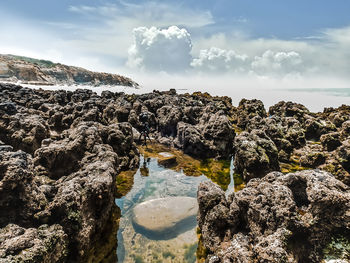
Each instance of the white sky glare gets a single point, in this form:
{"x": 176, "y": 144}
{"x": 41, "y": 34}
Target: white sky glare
{"x": 226, "y": 40}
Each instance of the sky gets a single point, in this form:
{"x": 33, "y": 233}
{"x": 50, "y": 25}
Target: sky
{"x": 231, "y": 42}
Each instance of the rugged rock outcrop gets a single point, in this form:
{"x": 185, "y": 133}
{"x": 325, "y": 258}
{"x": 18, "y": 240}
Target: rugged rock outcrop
{"x": 206, "y": 117}
{"x": 43, "y": 72}
{"x": 247, "y": 110}
{"x": 61, "y": 151}
{"x": 302, "y": 139}
{"x": 255, "y": 154}
{"x": 211, "y": 137}
{"x": 70, "y": 184}
{"x": 279, "y": 218}
{"x": 42, "y": 244}
{"x": 58, "y": 160}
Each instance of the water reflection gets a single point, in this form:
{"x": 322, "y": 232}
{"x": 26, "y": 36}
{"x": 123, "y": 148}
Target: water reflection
{"x": 160, "y": 182}
{"x": 165, "y": 174}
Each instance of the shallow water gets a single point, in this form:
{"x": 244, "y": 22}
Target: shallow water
{"x": 160, "y": 182}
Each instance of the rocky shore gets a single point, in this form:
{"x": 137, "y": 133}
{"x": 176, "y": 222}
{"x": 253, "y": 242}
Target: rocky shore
{"x": 61, "y": 153}
{"x": 279, "y": 218}
{"x": 43, "y": 72}
{"x": 295, "y": 206}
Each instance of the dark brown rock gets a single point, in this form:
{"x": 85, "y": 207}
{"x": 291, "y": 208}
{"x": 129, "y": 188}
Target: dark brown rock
{"x": 279, "y": 218}
{"x": 42, "y": 244}
{"x": 330, "y": 141}
{"x": 255, "y": 154}
{"x": 248, "y": 109}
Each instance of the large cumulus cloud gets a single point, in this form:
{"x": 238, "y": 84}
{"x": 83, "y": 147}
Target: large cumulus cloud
{"x": 169, "y": 50}
{"x": 280, "y": 63}
{"x": 160, "y": 49}
{"x": 220, "y": 60}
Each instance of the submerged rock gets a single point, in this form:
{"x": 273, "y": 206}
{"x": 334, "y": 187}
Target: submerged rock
{"x": 165, "y": 218}
{"x": 167, "y": 159}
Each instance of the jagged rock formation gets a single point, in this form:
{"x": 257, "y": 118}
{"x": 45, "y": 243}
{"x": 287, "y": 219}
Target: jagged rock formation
{"x": 61, "y": 151}
{"x": 57, "y": 181}
{"x": 43, "y": 72}
{"x": 60, "y": 154}
{"x": 299, "y": 138}
{"x": 290, "y": 217}
{"x": 279, "y": 218}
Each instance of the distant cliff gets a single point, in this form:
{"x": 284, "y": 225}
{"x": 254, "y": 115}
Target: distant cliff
{"x": 44, "y": 72}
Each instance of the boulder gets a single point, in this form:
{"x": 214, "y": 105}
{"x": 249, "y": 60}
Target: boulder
{"x": 290, "y": 109}
{"x": 165, "y": 218}
{"x": 274, "y": 219}
{"x": 166, "y": 159}
{"x": 248, "y": 109}
{"x": 330, "y": 141}
{"x": 255, "y": 154}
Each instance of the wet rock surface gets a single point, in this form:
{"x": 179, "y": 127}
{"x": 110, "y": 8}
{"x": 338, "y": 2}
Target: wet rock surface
{"x": 61, "y": 152}
{"x": 58, "y": 174}
{"x": 167, "y": 216}
{"x": 279, "y": 218}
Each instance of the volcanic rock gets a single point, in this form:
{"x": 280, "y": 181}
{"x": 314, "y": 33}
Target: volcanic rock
{"x": 277, "y": 218}
{"x": 255, "y": 154}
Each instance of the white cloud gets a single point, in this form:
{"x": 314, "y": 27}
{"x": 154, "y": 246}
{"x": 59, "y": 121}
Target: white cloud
{"x": 160, "y": 49}
{"x": 147, "y": 14}
{"x": 99, "y": 36}
{"x": 220, "y": 60}
{"x": 111, "y": 25}
{"x": 281, "y": 63}
{"x": 327, "y": 53}
{"x": 338, "y": 35}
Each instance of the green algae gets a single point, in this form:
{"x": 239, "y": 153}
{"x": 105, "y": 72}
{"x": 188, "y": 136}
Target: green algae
{"x": 201, "y": 252}
{"x": 190, "y": 253}
{"x": 216, "y": 170}
{"x": 124, "y": 182}
{"x": 104, "y": 249}
{"x": 337, "y": 248}
{"x": 238, "y": 182}
{"x": 291, "y": 167}
{"x": 237, "y": 129}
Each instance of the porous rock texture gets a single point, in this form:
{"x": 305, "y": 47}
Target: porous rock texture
{"x": 60, "y": 154}
{"x": 278, "y": 218}
{"x": 61, "y": 151}
{"x": 57, "y": 174}
{"x": 302, "y": 139}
